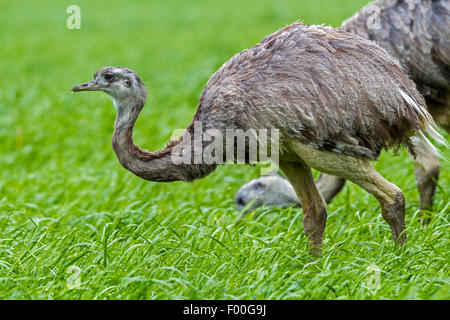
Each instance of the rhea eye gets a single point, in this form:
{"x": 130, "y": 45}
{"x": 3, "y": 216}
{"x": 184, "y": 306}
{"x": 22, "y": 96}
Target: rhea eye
{"x": 109, "y": 76}
{"x": 259, "y": 186}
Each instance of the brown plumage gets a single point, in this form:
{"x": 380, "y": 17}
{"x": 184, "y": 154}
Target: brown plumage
{"x": 322, "y": 86}
{"x": 335, "y": 98}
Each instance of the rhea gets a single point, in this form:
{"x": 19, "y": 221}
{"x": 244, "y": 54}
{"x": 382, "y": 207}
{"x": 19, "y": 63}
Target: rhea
{"x": 415, "y": 32}
{"x": 336, "y": 99}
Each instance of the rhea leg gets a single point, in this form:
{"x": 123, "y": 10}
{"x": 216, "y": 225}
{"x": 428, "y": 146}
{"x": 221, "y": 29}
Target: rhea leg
{"x": 388, "y": 195}
{"x": 314, "y": 206}
{"x": 427, "y": 169}
{"x": 363, "y": 174}
{"x": 329, "y": 186}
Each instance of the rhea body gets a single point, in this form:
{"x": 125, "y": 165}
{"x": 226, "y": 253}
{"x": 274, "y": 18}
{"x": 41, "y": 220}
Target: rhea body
{"x": 336, "y": 99}
{"x": 417, "y": 34}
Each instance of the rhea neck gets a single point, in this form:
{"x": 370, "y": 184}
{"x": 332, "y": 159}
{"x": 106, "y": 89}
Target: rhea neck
{"x": 138, "y": 161}
{"x": 128, "y": 110}
{"x": 154, "y": 166}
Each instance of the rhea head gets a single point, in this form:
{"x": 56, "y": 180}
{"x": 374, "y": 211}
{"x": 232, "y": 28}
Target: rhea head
{"x": 123, "y": 85}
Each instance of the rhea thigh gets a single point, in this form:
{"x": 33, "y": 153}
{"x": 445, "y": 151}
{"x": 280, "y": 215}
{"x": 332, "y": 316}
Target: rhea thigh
{"x": 357, "y": 170}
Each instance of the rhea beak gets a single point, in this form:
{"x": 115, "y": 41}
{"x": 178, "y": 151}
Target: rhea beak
{"x": 90, "y": 86}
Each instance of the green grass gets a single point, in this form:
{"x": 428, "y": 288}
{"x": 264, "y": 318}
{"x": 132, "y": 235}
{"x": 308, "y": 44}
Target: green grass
{"x": 66, "y": 201}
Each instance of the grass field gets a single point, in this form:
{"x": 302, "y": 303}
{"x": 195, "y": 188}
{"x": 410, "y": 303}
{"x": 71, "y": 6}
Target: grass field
{"x": 67, "y": 207}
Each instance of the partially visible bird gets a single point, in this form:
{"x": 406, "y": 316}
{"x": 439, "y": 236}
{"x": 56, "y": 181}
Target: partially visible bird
{"x": 336, "y": 99}
{"x": 274, "y": 190}
{"x": 270, "y": 189}
{"x": 417, "y": 33}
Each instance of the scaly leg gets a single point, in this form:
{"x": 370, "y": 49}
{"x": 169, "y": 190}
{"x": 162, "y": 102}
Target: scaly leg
{"x": 314, "y": 206}
{"x": 427, "y": 168}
